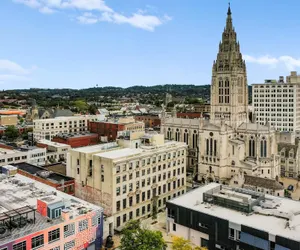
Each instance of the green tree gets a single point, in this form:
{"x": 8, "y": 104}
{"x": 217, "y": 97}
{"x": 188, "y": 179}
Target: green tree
{"x": 92, "y": 109}
{"x": 80, "y": 105}
{"x": 134, "y": 237}
{"x": 11, "y": 132}
{"x": 180, "y": 243}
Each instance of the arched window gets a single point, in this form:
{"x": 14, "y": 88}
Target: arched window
{"x": 252, "y": 147}
{"x": 207, "y": 146}
{"x": 215, "y": 147}
{"x": 195, "y": 139}
{"x": 186, "y": 137}
{"x": 226, "y": 91}
{"x": 169, "y": 134}
{"x": 211, "y": 147}
{"x": 177, "y": 135}
{"x": 263, "y": 147}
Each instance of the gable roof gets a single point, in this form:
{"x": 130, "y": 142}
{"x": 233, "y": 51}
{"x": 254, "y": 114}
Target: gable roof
{"x": 63, "y": 112}
{"x": 262, "y": 182}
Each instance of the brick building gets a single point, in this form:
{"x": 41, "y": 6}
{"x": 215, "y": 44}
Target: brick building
{"x": 77, "y": 140}
{"x": 151, "y": 121}
{"x": 58, "y": 181}
{"x": 108, "y": 130}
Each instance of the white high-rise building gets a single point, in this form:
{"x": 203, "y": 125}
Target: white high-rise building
{"x": 278, "y": 103}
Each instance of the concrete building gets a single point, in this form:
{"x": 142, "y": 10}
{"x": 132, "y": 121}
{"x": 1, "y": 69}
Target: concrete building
{"x": 278, "y": 103}
{"x": 150, "y": 120}
{"x": 55, "y": 152}
{"x": 9, "y": 120}
{"x": 36, "y": 216}
{"x": 130, "y": 182}
{"x": 219, "y": 217}
{"x": 35, "y": 156}
{"x": 228, "y": 142}
{"x": 82, "y": 139}
{"x": 108, "y": 130}
{"x": 48, "y": 128}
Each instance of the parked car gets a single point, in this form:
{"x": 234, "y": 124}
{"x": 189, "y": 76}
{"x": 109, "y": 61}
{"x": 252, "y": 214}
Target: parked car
{"x": 290, "y": 188}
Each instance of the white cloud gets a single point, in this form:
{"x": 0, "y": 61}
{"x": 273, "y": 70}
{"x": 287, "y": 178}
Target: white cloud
{"x": 11, "y": 71}
{"x": 87, "y": 18}
{"x": 289, "y": 62}
{"x": 95, "y": 11}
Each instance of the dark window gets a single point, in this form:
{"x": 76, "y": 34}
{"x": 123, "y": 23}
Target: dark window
{"x": 20, "y": 246}
{"x": 53, "y": 235}
{"x": 174, "y": 227}
{"x": 118, "y": 221}
{"x": 37, "y": 241}
{"x": 204, "y": 242}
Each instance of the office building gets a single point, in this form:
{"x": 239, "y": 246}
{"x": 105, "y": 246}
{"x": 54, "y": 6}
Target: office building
{"x": 132, "y": 181}
{"x": 48, "y": 128}
{"x": 218, "y": 217}
{"x": 32, "y": 155}
{"x": 278, "y": 103}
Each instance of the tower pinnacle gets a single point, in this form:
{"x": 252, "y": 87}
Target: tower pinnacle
{"x": 229, "y": 10}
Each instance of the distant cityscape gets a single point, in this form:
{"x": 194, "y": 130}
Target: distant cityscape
{"x": 207, "y": 167}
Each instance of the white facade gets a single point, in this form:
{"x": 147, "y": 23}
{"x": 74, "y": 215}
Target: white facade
{"x": 36, "y": 156}
{"x": 48, "y": 128}
{"x": 131, "y": 183}
{"x": 278, "y": 103}
{"x": 56, "y": 152}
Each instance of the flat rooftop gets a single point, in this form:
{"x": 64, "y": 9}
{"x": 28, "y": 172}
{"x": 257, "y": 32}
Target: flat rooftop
{"x": 96, "y": 148}
{"x": 21, "y": 193}
{"x": 54, "y": 144}
{"x": 276, "y": 215}
{"x": 73, "y": 135}
{"x": 35, "y": 170}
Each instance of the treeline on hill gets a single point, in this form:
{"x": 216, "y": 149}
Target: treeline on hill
{"x": 142, "y": 94}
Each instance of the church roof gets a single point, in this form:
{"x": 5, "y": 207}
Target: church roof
{"x": 63, "y": 112}
{"x": 262, "y": 182}
{"x": 252, "y": 127}
{"x": 42, "y": 111}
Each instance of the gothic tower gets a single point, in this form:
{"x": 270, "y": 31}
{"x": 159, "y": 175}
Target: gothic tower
{"x": 229, "y": 88}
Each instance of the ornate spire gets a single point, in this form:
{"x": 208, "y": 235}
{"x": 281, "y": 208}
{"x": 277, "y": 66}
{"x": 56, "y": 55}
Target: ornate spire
{"x": 229, "y": 10}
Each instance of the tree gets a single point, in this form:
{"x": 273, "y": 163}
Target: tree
{"x": 134, "y": 237}
{"x": 11, "y": 132}
{"x": 180, "y": 243}
{"x": 92, "y": 109}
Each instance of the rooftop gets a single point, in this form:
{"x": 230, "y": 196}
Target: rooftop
{"x": 276, "y": 215}
{"x": 5, "y": 151}
{"x": 96, "y": 148}
{"x": 75, "y": 135}
{"x": 42, "y": 172}
{"x": 19, "y": 195}
{"x": 54, "y": 144}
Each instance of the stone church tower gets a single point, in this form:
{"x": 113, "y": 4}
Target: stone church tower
{"x": 229, "y": 87}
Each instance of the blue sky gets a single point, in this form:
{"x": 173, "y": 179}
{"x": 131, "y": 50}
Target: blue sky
{"x": 81, "y": 43}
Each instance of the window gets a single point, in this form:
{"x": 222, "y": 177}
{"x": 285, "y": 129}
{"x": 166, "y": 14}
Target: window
{"x": 69, "y": 230}
{"x": 204, "y": 242}
{"x": 83, "y": 225}
{"x": 37, "y": 241}
{"x": 124, "y": 203}
{"x": 57, "y": 213}
{"x": 174, "y": 227}
{"x": 53, "y": 235}
{"x": 118, "y": 221}
{"x": 69, "y": 245}
{"x": 20, "y": 246}
{"x": 231, "y": 233}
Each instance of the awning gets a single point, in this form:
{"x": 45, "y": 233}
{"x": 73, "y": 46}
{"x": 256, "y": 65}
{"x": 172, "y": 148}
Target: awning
{"x": 254, "y": 241}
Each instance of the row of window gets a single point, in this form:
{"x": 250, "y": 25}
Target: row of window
{"x": 159, "y": 169}
{"x": 55, "y": 235}
{"x": 145, "y": 209}
{"x": 146, "y": 196}
{"x": 130, "y": 186}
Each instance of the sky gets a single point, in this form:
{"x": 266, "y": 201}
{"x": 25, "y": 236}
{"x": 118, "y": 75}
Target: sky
{"x": 84, "y": 43}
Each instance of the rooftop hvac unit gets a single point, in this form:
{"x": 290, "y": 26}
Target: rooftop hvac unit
{"x": 44, "y": 174}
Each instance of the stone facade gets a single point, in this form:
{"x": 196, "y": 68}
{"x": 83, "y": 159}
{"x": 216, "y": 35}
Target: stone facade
{"x": 228, "y": 142}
